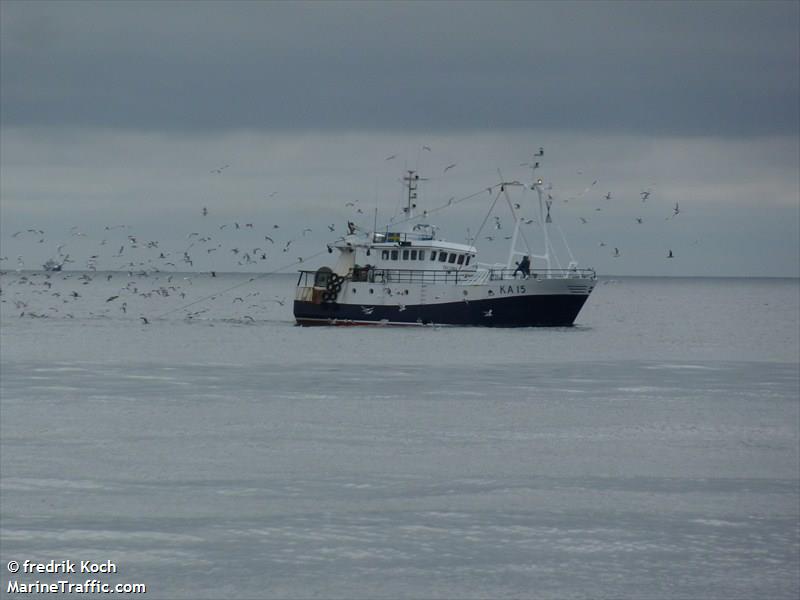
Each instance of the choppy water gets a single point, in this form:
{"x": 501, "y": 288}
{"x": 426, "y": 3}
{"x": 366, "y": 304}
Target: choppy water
{"x": 652, "y": 451}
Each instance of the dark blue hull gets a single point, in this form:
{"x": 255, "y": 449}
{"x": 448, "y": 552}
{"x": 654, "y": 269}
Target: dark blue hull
{"x": 517, "y": 311}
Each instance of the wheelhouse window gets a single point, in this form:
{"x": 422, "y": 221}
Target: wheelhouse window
{"x": 433, "y": 254}
{"x": 452, "y": 259}
{"x": 413, "y": 255}
{"x": 394, "y": 254}
{"x": 405, "y": 254}
{"x": 442, "y": 256}
{"x": 385, "y": 255}
{"x": 461, "y": 259}
{"x": 421, "y": 255}
{"x": 468, "y": 257}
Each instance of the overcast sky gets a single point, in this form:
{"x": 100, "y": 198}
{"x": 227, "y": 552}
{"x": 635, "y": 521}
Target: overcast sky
{"x": 117, "y": 113}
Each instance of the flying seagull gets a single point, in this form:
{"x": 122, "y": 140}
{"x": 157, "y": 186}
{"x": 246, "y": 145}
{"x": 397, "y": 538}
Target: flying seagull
{"x": 448, "y": 167}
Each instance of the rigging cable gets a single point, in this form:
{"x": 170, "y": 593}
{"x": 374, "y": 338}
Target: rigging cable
{"x": 238, "y": 285}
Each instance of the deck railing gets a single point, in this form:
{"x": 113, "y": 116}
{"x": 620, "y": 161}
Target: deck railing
{"x": 455, "y": 277}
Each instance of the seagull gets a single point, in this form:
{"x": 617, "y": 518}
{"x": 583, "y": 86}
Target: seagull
{"x": 205, "y": 211}
{"x": 645, "y": 195}
{"x": 367, "y": 310}
{"x": 112, "y": 298}
{"x": 584, "y": 221}
{"x": 607, "y": 196}
{"x": 670, "y": 255}
{"x": 220, "y": 170}
{"x": 448, "y": 167}
{"x": 540, "y": 152}
{"x": 269, "y": 239}
{"x": 676, "y": 210}
{"x": 331, "y": 227}
{"x": 428, "y": 148}
{"x": 639, "y": 220}
{"x": 488, "y": 313}
{"x": 616, "y": 252}
{"x": 393, "y": 156}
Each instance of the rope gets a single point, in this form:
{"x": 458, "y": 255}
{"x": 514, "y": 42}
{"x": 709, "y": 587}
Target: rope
{"x": 238, "y": 285}
{"x": 488, "y": 214}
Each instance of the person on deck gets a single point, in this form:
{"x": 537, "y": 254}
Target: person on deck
{"x": 524, "y": 267}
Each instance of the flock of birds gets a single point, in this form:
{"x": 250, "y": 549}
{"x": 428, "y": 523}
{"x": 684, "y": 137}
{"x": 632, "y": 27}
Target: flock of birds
{"x": 644, "y": 196}
{"x": 127, "y": 268}
{"x": 242, "y": 251}
{"x": 152, "y": 271}
{"x": 583, "y": 198}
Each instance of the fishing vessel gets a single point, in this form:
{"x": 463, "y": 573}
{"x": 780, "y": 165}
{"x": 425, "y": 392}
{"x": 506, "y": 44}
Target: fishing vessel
{"x": 52, "y": 265}
{"x": 405, "y": 274}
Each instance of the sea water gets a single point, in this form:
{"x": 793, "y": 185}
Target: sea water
{"x": 218, "y": 450}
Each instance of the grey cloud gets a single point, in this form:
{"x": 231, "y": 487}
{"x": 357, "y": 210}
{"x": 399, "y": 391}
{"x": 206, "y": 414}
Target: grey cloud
{"x": 721, "y": 69}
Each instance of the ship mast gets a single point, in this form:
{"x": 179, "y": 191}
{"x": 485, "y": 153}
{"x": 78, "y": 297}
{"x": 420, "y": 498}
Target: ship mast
{"x": 544, "y": 219}
{"x": 411, "y": 180}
